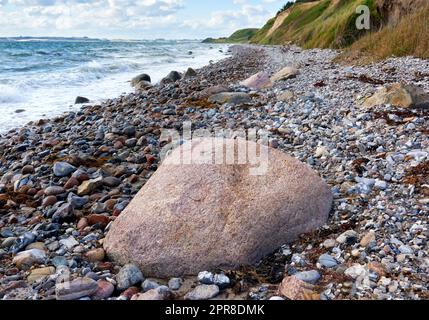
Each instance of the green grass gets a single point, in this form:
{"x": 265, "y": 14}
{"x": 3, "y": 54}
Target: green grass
{"x": 324, "y": 24}
{"x": 243, "y": 35}
{"x": 408, "y": 37}
{"x": 240, "y": 36}
{"x": 332, "y": 24}
{"x": 260, "y": 36}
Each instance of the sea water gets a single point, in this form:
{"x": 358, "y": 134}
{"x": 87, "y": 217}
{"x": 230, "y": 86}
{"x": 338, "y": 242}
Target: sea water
{"x": 40, "y": 78}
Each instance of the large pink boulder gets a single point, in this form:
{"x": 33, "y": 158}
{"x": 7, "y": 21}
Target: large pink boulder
{"x": 193, "y": 215}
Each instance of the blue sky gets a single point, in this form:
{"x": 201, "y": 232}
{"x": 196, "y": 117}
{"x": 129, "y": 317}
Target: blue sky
{"x": 133, "y": 19}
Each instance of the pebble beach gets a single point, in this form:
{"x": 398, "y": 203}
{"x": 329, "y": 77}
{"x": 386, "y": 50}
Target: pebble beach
{"x": 64, "y": 181}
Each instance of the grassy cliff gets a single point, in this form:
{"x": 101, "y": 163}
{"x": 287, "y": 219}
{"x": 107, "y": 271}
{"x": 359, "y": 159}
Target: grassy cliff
{"x": 398, "y": 28}
{"x": 240, "y": 36}
{"x": 322, "y": 23}
{"x": 410, "y": 36}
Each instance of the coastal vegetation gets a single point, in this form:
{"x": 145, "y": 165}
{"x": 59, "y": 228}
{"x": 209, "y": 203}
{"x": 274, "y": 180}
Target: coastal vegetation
{"x": 397, "y": 28}
{"x": 240, "y": 36}
{"x": 408, "y": 37}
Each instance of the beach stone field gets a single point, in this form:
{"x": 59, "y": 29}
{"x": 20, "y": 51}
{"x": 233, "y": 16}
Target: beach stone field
{"x": 88, "y": 209}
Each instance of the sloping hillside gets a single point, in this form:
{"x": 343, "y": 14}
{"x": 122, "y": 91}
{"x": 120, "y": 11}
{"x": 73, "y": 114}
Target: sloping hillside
{"x": 398, "y": 28}
{"x": 401, "y": 37}
{"x": 322, "y": 23}
{"x": 240, "y": 36}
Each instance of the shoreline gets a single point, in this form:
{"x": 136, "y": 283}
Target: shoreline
{"x": 365, "y": 155}
{"x": 50, "y": 91}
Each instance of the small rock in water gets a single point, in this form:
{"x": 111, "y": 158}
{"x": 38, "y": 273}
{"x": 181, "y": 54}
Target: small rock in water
{"x": 80, "y": 100}
{"x": 203, "y": 292}
{"x": 128, "y": 276}
{"x": 143, "y": 85}
{"x": 142, "y": 77}
{"x": 190, "y": 73}
{"x": 173, "y": 76}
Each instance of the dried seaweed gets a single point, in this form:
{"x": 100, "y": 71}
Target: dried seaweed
{"x": 419, "y": 177}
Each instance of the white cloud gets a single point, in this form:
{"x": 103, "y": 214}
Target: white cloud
{"x": 229, "y": 20}
{"x": 81, "y": 15}
{"x": 127, "y": 18}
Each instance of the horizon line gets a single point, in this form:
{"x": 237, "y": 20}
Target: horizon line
{"x": 96, "y": 38}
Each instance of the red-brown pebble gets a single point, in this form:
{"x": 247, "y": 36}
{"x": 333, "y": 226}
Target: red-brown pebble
{"x": 130, "y": 292}
{"x": 110, "y": 204}
{"x": 98, "y": 218}
{"x": 105, "y": 290}
{"x": 49, "y": 201}
{"x": 95, "y": 255}
{"x": 71, "y": 183}
{"x": 82, "y": 224}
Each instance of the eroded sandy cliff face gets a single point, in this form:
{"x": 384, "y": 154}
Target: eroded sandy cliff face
{"x": 392, "y": 11}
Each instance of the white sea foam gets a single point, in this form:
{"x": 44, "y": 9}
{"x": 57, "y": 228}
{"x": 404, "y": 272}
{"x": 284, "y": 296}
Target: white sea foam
{"x": 10, "y": 94}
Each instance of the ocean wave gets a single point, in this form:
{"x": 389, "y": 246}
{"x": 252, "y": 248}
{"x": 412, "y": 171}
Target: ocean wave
{"x": 10, "y": 94}
{"x": 43, "y": 53}
{"x": 20, "y": 54}
{"x": 99, "y": 68}
{"x": 56, "y": 73}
